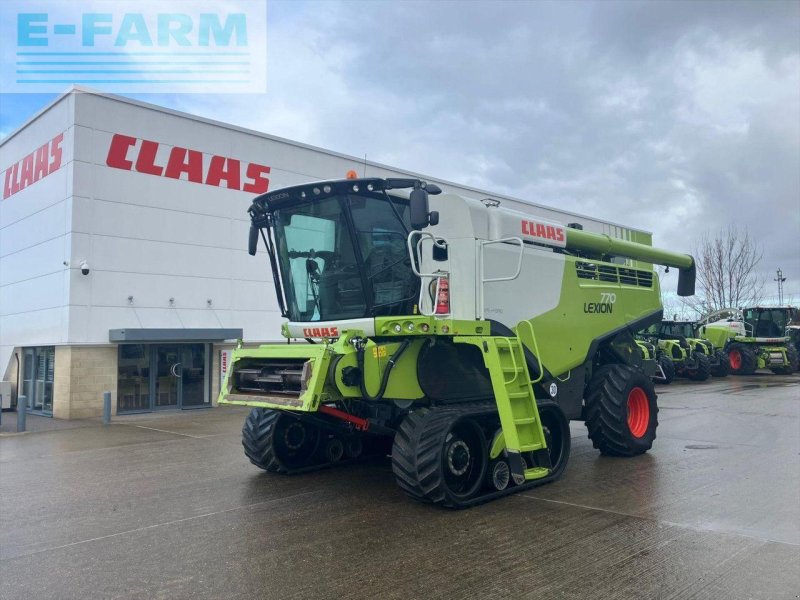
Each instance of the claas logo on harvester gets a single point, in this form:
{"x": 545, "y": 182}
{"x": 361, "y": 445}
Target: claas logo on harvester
{"x": 544, "y": 232}
{"x": 321, "y": 332}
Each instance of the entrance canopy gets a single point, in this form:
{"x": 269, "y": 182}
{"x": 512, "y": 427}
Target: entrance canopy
{"x": 173, "y": 335}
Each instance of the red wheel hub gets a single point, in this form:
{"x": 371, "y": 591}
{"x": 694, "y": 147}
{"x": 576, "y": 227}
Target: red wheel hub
{"x": 735, "y": 358}
{"x": 638, "y": 412}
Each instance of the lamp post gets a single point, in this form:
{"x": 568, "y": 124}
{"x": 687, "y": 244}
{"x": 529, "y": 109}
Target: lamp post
{"x": 780, "y": 279}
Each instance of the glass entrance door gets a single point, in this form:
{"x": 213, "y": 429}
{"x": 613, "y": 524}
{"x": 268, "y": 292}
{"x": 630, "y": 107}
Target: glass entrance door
{"x": 162, "y": 376}
{"x": 194, "y": 378}
{"x": 168, "y": 376}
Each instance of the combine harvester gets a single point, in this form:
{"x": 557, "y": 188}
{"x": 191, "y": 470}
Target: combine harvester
{"x": 464, "y": 339}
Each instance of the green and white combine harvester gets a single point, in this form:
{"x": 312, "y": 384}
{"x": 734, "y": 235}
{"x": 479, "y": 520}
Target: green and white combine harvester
{"x": 462, "y": 340}
{"x": 753, "y": 338}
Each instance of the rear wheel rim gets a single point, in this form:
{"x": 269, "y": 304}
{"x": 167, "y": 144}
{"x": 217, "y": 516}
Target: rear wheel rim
{"x": 638, "y": 412}
{"x": 735, "y": 358}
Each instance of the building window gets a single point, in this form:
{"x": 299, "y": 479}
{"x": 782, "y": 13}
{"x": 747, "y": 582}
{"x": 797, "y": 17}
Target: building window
{"x": 37, "y": 378}
{"x": 133, "y": 378}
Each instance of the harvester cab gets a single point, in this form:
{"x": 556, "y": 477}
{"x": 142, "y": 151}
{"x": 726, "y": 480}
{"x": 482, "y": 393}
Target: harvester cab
{"x": 752, "y": 337}
{"x": 463, "y": 338}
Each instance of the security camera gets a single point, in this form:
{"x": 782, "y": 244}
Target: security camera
{"x": 84, "y": 267}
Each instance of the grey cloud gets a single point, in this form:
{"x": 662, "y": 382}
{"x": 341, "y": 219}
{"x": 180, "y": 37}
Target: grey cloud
{"x": 674, "y": 117}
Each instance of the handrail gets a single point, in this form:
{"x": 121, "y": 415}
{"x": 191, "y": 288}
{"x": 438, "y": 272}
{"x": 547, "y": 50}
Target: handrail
{"x": 411, "y": 250}
{"x": 519, "y": 261}
{"x": 535, "y": 350}
{"x": 513, "y": 360}
{"x": 415, "y": 250}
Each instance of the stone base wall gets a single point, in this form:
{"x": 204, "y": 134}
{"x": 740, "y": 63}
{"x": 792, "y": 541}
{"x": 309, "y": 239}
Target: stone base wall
{"x": 82, "y": 374}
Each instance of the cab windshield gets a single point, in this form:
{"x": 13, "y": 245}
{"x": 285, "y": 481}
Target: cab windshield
{"x": 766, "y": 322}
{"x": 345, "y": 257}
{"x": 677, "y": 329}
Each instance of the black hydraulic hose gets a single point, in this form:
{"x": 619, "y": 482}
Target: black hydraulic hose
{"x": 385, "y": 379}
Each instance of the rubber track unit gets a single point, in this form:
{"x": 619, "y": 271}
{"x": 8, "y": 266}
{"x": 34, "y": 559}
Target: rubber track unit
{"x": 606, "y": 410}
{"x": 258, "y": 442}
{"x": 417, "y": 458}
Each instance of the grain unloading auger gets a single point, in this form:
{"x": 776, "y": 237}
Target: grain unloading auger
{"x": 464, "y": 339}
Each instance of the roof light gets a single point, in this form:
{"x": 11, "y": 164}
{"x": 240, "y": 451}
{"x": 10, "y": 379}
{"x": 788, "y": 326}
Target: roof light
{"x": 351, "y": 174}
{"x": 327, "y": 189}
{"x": 316, "y": 191}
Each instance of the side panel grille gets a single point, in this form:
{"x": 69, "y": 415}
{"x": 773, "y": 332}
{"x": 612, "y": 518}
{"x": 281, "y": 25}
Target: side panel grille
{"x": 614, "y": 274}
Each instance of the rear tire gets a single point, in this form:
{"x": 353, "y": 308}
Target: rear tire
{"x": 742, "y": 359}
{"x": 621, "y": 411}
{"x": 723, "y": 368}
{"x": 703, "y": 369}
{"x": 668, "y": 367}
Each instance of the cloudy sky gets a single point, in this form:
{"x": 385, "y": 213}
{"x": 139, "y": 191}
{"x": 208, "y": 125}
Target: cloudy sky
{"x": 679, "y": 118}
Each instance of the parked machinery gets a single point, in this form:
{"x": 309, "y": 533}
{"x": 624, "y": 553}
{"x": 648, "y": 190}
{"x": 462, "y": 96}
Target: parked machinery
{"x": 752, "y": 337}
{"x": 464, "y": 339}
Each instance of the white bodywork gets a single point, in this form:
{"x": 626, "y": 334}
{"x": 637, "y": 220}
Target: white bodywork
{"x": 492, "y": 273}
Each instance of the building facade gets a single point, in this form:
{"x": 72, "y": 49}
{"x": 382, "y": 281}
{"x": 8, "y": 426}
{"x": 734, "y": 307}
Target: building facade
{"x": 123, "y": 250}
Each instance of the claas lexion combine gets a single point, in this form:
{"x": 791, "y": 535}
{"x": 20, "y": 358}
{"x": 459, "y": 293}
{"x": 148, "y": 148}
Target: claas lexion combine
{"x": 461, "y": 340}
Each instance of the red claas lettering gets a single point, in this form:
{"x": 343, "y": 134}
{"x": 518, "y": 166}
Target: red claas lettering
{"x": 544, "y": 232}
{"x": 140, "y": 155}
{"x": 40, "y": 163}
{"x": 321, "y": 332}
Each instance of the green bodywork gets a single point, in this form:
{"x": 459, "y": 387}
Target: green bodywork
{"x": 503, "y": 358}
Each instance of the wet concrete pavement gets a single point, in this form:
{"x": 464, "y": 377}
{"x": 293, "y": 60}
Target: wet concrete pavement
{"x": 166, "y": 506}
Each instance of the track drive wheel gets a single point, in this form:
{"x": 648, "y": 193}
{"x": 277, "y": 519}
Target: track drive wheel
{"x": 742, "y": 359}
{"x": 279, "y": 442}
{"x": 440, "y": 455}
{"x": 703, "y": 369}
{"x": 669, "y": 369}
{"x": 621, "y": 411}
{"x": 723, "y": 368}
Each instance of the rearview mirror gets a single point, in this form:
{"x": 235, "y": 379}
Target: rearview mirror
{"x": 418, "y": 208}
{"x": 252, "y": 242}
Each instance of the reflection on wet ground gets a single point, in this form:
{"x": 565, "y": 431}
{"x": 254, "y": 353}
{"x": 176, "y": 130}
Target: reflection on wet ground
{"x": 167, "y": 506}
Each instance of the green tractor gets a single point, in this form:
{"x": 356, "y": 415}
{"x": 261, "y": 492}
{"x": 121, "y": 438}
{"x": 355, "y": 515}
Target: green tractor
{"x": 662, "y": 369}
{"x": 690, "y": 357}
{"x": 686, "y": 330}
{"x": 753, "y": 338}
{"x": 462, "y": 340}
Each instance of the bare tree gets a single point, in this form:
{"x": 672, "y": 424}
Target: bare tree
{"x": 726, "y": 271}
